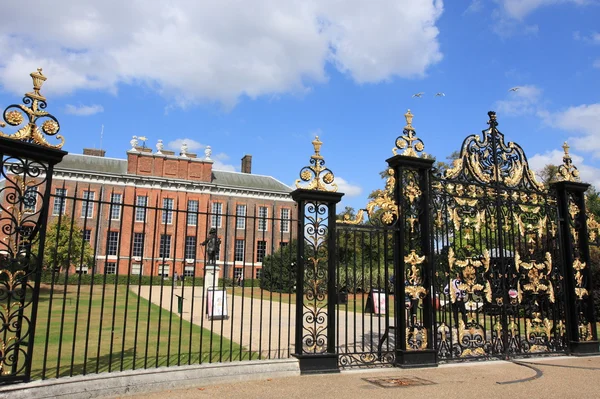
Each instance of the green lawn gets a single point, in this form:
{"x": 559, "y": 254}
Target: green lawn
{"x": 122, "y": 332}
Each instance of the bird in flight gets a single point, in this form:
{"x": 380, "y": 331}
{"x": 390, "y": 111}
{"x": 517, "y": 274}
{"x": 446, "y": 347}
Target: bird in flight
{"x": 514, "y": 89}
{"x": 419, "y": 95}
{"x": 440, "y": 94}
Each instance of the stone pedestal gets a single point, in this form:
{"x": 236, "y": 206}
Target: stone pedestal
{"x": 211, "y": 278}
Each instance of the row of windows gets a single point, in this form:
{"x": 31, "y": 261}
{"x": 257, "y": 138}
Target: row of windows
{"x": 141, "y": 203}
{"x": 164, "y": 270}
{"x": 164, "y": 250}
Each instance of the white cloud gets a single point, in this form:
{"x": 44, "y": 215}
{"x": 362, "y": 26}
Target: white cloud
{"x": 596, "y": 63}
{"x": 593, "y": 37}
{"x": 192, "y": 51}
{"x": 474, "y": 7}
{"x": 519, "y": 9}
{"x": 220, "y": 163}
{"x": 349, "y": 189}
{"x": 588, "y": 174}
{"x": 524, "y": 101}
{"x": 83, "y": 110}
{"x": 582, "y": 120}
{"x": 193, "y": 145}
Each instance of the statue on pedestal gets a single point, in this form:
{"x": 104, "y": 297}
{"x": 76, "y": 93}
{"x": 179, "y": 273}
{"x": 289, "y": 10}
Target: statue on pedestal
{"x": 213, "y": 244}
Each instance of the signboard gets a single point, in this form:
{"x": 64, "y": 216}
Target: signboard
{"x": 216, "y": 304}
{"x": 376, "y": 302}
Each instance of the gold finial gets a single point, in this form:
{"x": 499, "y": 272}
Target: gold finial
{"x": 312, "y": 174}
{"x": 409, "y": 117}
{"x": 16, "y": 115}
{"x": 409, "y": 142}
{"x": 567, "y": 171}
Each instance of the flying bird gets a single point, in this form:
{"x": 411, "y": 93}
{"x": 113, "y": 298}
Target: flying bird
{"x": 440, "y": 94}
{"x": 419, "y": 95}
{"x": 514, "y": 89}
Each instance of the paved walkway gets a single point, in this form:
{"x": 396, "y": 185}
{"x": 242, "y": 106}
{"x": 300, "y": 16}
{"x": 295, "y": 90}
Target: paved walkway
{"x": 263, "y": 325}
{"x": 564, "y": 377}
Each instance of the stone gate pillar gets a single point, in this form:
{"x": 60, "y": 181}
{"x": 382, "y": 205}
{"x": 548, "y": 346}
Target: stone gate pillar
{"x": 581, "y": 323}
{"x": 26, "y": 164}
{"x": 414, "y": 312}
{"x": 315, "y": 345}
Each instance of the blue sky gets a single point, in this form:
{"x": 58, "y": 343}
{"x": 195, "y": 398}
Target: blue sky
{"x": 264, "y": 80}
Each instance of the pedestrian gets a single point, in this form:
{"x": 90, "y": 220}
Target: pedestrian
{"x": 457, "y": 297}
{"x": 175, "y": 278}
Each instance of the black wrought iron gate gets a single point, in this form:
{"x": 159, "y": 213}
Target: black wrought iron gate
{"x": 478, "y": 260}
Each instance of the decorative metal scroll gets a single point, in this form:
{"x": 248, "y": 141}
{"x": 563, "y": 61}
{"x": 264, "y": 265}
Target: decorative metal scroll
{"x": 579, "y": 268}
{"x": 21, "y": 208}
{"x": 495, "y": 245}
{"x": 30, "y": 114}
{"x": 408, "y": 142}
{"x": 314, "y": 316}
{"x": 316, "y": 174}
{"x": 488, "y": 159}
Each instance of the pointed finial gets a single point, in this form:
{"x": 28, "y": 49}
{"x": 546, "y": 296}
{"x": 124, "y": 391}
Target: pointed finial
{"x": 38, "y": 81}
{"x": 409, "y": 142}
{"x": 567, "y": 171}
{"x": 317, "y": 175}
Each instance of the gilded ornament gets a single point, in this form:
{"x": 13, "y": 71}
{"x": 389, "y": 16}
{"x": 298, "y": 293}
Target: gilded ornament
{"x": 33, "y": 108}
{"x": 385, "y": 201}
{"x": 408, "y": 142}
{"x": 358, "y": 219}
{"x": 567, "y": 171}
{"x": 312, "y": 173}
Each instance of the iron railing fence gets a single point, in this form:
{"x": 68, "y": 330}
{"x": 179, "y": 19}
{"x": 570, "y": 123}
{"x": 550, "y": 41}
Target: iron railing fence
{"x": 123, "y": 283}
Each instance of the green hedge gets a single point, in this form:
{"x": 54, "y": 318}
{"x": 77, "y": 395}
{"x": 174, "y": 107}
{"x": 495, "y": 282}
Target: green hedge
{"x": 112, "y": 279}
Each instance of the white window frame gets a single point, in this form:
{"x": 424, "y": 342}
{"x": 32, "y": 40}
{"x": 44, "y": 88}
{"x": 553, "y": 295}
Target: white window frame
{"x": 83, "y": 235}
{"x": 82, "y": 269}
{"x": 240, "y": 213}
{"x": 185, "y": 248}
{"x": 141, "y": 202}
{"x": 238, "y": 272}
{"x": 167, "y": 249}
{"x": 108, "y": 243}
{"x": 285, "y": 220}
{"x": 116, "y": 199}
{"x": 263, "y": 219}
{"x": 133, "y": 245}
{"x": 189, "y": 271}
{"x": 161, "y": 269}
{"x": 167, "y": 216}
{"x": 257, "y": 273}
{"x": 265, "y": 251}
{"x": 215, "y": 217}
{"x": 136, "y": 269}
{"x": 60, "y": 201}
{"x": 192, "y": 216}
{"x": 88, "y": 204}
{"x": 112, "y": 266}
{"x": 236, "y": 250}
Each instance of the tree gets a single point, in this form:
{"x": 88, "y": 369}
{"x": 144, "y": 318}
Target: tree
{"x": 65, "y": 247}
{"x": 548, "y": 174}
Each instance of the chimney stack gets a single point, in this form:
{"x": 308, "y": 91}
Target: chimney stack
{"x": 94, "y": 152}
{"x": 247, "y": 164}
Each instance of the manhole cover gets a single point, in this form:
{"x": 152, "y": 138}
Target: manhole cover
{"x": 395, "y": 382}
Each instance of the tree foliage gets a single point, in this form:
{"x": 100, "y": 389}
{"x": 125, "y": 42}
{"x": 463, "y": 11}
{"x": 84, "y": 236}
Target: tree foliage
{"x": 66, "y": 247}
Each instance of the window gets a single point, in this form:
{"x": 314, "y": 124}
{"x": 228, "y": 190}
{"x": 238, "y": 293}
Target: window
{"x": 285, "y": 220}
{"x": 29, "y": 199}
{"x": 238, "y": 272}
{"x": 261, "y": 250}
{"x": 163, "y": 270}
{"x": 138, "y": 244}
{"x": 140, "y": 208}
{"x": 164, "y": 250}
{"x": 239, "y": 250}
{"x": 87, "y": 207}
{"x": 217, "y": 209}
{"x": 188, "y": 271}
{"x": 82, "y": 270}
{"x": 167, "y": 215}
{"x": 110, "y": 268}
{"x": 192, "y": 216}
{"x": 190, "y": 247}
{"x": 136, "y": 269}
{"x": 113, "y": 243}
{"x": 87, "y": 235}
{"x": 283, "y": 244}
{"x": 258, "y": 273}
{"x": 263, "y": 213}
{"x": 240, "y": 213}
{"x": 60, "y": 202}
{"x": 115, "y": 206}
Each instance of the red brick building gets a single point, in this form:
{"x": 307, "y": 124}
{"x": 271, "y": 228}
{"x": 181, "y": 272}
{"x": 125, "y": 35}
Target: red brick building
{"x": 149, "y": 213}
